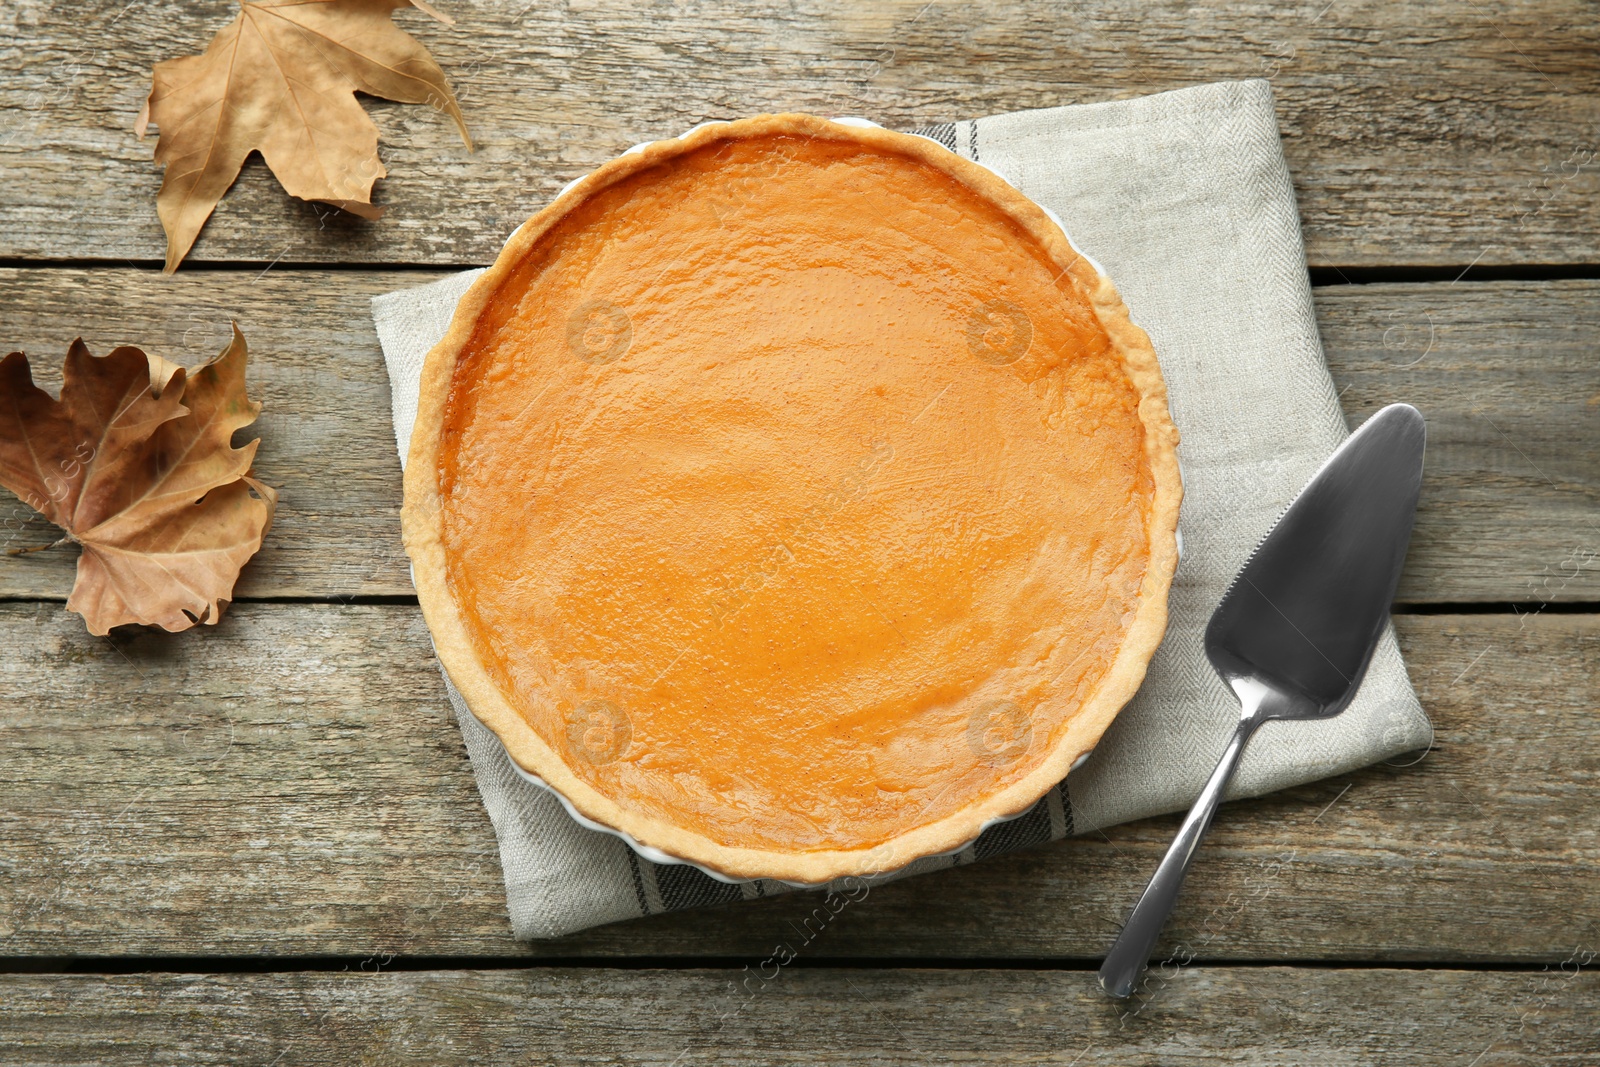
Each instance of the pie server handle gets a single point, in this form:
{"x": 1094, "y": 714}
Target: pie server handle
{"x": 1126, "y": 962}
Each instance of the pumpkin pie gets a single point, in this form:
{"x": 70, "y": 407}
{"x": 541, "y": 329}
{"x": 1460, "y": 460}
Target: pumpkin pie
{"x": 793, "y": 498}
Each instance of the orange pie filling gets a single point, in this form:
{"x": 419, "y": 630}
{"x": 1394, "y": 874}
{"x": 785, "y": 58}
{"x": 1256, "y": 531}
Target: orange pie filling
{"x": 793, "y": 494}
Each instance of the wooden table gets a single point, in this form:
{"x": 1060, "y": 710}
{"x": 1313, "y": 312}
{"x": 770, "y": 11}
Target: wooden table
{"x": 261, "y": 842}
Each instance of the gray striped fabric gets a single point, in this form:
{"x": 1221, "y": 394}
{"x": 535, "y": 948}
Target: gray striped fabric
{"x": 1185, "y": 200}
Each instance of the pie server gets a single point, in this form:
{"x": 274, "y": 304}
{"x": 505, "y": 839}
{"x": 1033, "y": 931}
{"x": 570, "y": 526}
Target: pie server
{"x": 1296, "y": 629}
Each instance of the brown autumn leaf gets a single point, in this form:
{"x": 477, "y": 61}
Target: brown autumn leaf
{"x": 135, "y": 463}
{"x": 281, "y": 79}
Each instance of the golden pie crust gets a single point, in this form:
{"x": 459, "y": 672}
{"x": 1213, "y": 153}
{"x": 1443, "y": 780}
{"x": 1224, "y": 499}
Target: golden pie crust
{"x": 793, "y": 498}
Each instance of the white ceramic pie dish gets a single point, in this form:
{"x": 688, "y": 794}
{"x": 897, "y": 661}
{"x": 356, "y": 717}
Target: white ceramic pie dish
{"x": 658, "y": 856}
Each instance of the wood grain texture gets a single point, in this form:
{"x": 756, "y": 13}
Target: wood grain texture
{"x": 1507, "y": 376}
{"x": 1197, "y": 1015}
{"x": 1445, "y": 134}
{"x": 1505, "y": 372}
{"x": 291, "y": 783}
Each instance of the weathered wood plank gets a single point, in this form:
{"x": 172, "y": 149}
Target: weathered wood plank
{"x": 1508, "y": 379}
{"x": 1199, "y": 1015}
{"x": 290, "y": 782}
{"x": 1422, "y": 134}
{"x": 1504, "y": 371}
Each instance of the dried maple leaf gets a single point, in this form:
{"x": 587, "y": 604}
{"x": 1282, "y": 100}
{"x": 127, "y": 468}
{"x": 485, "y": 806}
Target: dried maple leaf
{"x": 135, "y": 463}
{"x": 281, "y": 79}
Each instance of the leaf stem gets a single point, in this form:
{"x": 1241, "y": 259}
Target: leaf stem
{"x": 36, "y": 548}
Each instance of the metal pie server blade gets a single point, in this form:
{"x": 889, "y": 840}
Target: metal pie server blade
{"x": 1295, "y": 631}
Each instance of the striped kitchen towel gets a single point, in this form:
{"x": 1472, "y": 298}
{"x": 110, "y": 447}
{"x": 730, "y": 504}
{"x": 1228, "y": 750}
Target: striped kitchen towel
{"x": 1184, "y": 199}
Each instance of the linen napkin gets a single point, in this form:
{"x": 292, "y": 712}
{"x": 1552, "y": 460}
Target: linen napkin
{"x": 1184, "y": 199}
